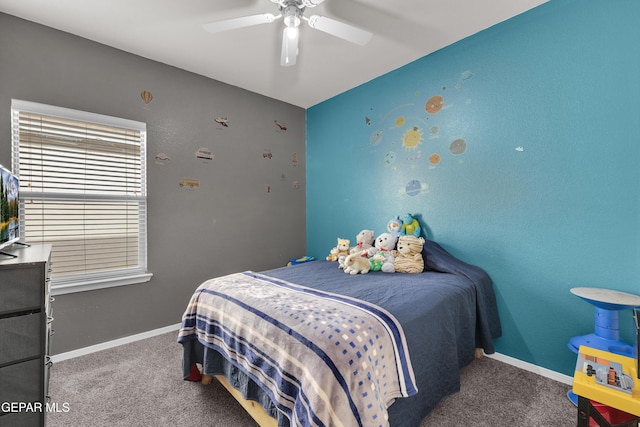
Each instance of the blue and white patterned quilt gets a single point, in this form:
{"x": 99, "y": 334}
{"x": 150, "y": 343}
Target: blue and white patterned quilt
{"x": 324, "y": 359}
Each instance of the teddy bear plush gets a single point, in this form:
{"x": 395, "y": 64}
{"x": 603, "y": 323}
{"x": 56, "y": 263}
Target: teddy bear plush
{"x": 410, "y": 225}
{"x": 342, "y": 248}
{"x": 408, "y": 255}
{"x": 382, "y": 248}
{"x": 356, "y": 263}
{"x": 364, "y": 240}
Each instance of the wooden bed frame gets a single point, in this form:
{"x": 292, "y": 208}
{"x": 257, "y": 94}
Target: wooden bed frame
{"x": 254, "y": 409}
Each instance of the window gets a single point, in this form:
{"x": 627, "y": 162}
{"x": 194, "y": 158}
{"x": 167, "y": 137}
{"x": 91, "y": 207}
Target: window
{"x": 82, "y": 190}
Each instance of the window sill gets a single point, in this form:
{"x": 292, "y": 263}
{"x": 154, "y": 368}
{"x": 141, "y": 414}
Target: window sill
{"x": 98, "y": 283}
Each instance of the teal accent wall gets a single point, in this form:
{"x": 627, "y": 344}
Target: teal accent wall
{"x": 525, "y": 162}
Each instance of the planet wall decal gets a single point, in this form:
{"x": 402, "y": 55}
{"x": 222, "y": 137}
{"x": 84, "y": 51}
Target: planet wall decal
{"x": 415, "y": 187}
{"x": 458, "y": 146}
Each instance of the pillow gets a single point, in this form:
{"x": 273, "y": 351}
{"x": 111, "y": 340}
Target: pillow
{"x": 436, "y": 258}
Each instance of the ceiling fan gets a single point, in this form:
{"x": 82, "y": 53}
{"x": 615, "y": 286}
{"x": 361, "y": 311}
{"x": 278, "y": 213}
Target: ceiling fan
{"x": 293, "y": 13}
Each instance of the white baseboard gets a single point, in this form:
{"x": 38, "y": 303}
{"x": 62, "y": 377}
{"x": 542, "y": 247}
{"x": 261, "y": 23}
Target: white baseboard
{"x": 132, "y": 338}
{"x": 110, "y": 344}
{"x": 532, "y": 368}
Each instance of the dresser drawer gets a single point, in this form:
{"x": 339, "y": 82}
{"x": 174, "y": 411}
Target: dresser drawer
{"x": 20, "y": 337}
{"x": 22, "y": 382}
{"x": 21, "y": 288}
{"x": 21, "y": 419}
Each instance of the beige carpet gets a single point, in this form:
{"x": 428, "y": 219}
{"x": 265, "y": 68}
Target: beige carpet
{"x": 140, "y": 384}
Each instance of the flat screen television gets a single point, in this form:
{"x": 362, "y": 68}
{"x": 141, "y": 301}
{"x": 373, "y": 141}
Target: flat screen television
{"x": 9, "y": 208}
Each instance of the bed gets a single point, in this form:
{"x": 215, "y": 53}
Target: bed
{"x": 443, "y": 315}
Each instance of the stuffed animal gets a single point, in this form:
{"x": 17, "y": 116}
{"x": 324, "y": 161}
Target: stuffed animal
{"x": 341, "y": 249}
{"x": 364, "y": 241}
{"x": 383, "y": 246}
{"x": 355, "y": 263}
{"x": 376, "y": 262}
{"x": 395, "y": 226}
{"x": 410, "y": 225}
{"x": 408, "y": 255}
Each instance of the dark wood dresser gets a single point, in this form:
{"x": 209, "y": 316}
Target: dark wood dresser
{"x": 25, "y": 335}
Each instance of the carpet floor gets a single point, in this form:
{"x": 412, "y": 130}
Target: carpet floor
{"x": 140, "y": 384}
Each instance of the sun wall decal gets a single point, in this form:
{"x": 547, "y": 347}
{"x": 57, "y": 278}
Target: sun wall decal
{"x": 412, "y": 138}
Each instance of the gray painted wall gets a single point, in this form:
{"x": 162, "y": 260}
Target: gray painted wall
{"x": 249, "y": 212}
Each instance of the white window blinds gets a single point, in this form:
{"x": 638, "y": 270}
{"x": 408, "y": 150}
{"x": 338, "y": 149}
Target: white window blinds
{"x": 82, "y": 190}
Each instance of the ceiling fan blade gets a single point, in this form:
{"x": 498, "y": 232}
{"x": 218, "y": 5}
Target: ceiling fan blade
{"x": 290, "y": 37}
{"x": 340, "y": 29}
{"x": 244, "y": 21}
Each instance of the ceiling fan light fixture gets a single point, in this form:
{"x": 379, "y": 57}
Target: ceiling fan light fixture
{"x": 298, "y": 3}
{"x": 311, "y": 3}
{"x": 292, "y": 12}
{"x": 292, "y": 16}
{"x": 289, "y": 46}
{"x": 291, "y": 32}
{"x": 291, "y": 21}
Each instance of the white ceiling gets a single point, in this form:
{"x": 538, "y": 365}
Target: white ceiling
{"x": 170, "y": 31}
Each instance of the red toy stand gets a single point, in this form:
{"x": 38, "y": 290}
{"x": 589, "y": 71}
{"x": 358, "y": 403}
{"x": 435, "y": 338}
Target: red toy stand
{"x": 596, "y": 414}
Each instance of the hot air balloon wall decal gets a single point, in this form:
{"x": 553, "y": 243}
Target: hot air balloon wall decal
{"x": 146, "y": 97}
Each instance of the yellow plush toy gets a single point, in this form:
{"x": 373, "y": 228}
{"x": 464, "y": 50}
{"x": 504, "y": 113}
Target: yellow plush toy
{"x": 408, "y": 255}
{"x": 341, "y": 249}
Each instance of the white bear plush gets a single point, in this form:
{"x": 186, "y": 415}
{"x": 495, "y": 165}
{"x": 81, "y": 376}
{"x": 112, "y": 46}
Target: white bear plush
{"x": 384, "y": 245}
{"x": 364, "y": 241}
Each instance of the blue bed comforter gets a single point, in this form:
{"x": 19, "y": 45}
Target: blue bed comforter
{"x": 446, "y": 312}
